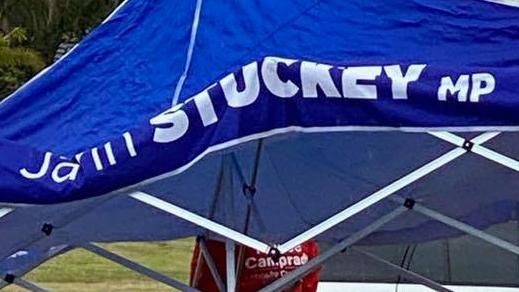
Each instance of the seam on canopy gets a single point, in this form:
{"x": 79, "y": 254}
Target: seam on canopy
{"x": 189, "y": 56}
{"x": 281, "y": 26}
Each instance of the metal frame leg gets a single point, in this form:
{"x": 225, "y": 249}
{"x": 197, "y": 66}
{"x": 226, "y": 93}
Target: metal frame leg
{"x": 383, "y": 193}
{"x": 230, "y": 265}
{"x": 212, "y": 266}
{"x": 410, "y": 275}
{"x": 136, "y": 267}
{"x": 326, "y": 224}
{"x": 479, "y": 149}
{"x": 57, "y": 223}
{"x": 333, "y": 220}
{"x": 28, "y": 285}
{"x": 5, "y": 211}
{"x": 319, "y": 260}
{"x": 20, "y": 282}
{"x": 466, "y": 228}
{"x": 22, "y": 272}
{"x": 200, "y": 221}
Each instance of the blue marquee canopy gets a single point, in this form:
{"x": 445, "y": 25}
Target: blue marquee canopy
{"x": 310, "y": 107}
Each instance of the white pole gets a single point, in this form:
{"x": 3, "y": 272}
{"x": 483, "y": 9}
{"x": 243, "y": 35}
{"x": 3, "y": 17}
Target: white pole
{"x": 187, "y": 65}
{"x": 28, "y": 285}
{"x": 466, "y": 228}
{"x": 136, "y": 267}
{"x": 36, "y": 236}
{"x": 372, "y": 199}
{"x": 230, "y": 265}
{"x": 328, "y": 254}
{"x": 458, "y": 141}
{"x": 28, "y": 267}
{"x": 480, "y": 150}
{"x": 212, "y": 266}
{"x": 496, "y": 157}
{"x": 200, "y": 221}
{"x": 384, "y": 192}
{"x": 5, "y": 211}
{"x": 410, "y": 275}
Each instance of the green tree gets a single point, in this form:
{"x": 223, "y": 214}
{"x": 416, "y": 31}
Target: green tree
{"x": 17, "y": 63}
{"x": 49, "y": 22}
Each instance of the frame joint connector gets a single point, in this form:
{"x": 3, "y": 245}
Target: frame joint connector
{"x": 9, "y": 278}
{"x": 409, "y": 203}
{"x": 274, "y": 253}
{"x": 47, "y": 228}
{"x": 249, "y": 191}
{"x": 468, "y": 145}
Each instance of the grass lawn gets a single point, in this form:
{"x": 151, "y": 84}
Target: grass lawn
{"x": 80, "y": 270}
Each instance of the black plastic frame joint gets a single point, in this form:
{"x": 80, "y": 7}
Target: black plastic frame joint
{"x": 409, "y": 203}
{"x": 249, "y": 191}
{"x": 47, "y": 228}
{"x": 9, "y": 278}
{"x": 468, "y": 145}
{"x": 275, "y": 254}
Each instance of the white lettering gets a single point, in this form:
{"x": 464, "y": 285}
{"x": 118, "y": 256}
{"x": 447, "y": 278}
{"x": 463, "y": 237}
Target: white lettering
{"x": 73, "y": 169}
{"x": 262, "y": 263}
{"x": 128, "y": 140}
{"x": 289, "y": 260}
{"x": 461, "y": 88}
{"x": 78, "y": 157}
{"x": 478, "y": 80}
{"x": 269, "y": 71}
{"x": 313, "y": 75}
{"x": 97, "y": 159}
{"x": 249, "y": 94}
{"x": 177, "y": 124}
{"x": 250, "y": 263}
{"x": 110, "y": 153}
{"x": 282, "y": 262}
{"x": 270, "y": 263}
{"x": 350, "y": 78}
{"x": 43, "y": 168}
{"x": 304, "y": 259}
{"x": 205, "y": 108}
{"x": 400, "y": 82}
{"x": 297, "y": 261}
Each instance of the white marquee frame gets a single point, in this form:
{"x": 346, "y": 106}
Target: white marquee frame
{"x": 462, "y": 147}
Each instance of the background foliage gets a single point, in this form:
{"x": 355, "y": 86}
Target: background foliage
{"x": 31, "y": 30}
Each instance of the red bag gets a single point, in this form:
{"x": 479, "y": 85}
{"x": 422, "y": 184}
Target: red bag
{"x": 257, "y": 269}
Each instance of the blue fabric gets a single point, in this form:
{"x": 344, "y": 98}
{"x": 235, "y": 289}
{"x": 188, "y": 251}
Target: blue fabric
{"x": 126, "y": 70}
{"x": 117, "y": 86}
{"x": 250, "y": 104}
{"x": 118, "y": 76}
